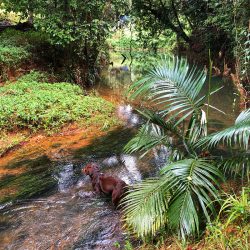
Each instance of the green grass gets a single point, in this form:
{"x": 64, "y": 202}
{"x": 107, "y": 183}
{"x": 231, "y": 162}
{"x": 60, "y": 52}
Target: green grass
{"x": 31, "y": 104}
{"x": 231, "y": 229}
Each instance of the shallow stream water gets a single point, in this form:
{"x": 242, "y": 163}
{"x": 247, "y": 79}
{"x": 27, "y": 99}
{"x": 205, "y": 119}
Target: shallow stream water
{"x": 68, "y": 214}
{"x": 56, "y": 208}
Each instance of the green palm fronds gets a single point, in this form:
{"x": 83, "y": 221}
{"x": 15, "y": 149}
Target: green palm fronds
{"x": 185, "y": 190}
{"x": 197, "y": 182}
{"x": 159, "y": 119}
{"x": 237, "y": 165}
{"x": 238, "y": 134}
{"x": 148, "y": 137}
{"x": 173, "y": 85}
{"x": 145, "y": 206}
{"x": 197, "y": 128}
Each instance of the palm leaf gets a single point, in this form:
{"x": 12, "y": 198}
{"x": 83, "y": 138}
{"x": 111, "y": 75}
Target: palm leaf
{"x": 237, "y": 165}
{"x": 197, "y": 188}
{"x": 197, "y": 128}
{"x": 173, "y": 85}
{"x": 157, "y": 119}
{"x": 239, "y": 133}
{"x": 149, "y": 136}
{"x": 145, "y": 206}
{"x": 184, "y": 189}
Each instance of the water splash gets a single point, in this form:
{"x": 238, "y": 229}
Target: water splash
{"x": 65, "y": 177}
{"x": 126, "y": 113}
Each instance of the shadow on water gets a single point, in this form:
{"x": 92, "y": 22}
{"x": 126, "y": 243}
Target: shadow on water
{"x": 35, "y": 180}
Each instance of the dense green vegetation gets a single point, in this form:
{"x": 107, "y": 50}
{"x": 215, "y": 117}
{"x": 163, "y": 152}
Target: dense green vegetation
{"x": 11, "y": 57}
{"x": 19, "y": 49}
{"x": 186, "y": 193}
{"x": 29, "y": 103}
{"x": 222, "y": 26}
{"x": 70, "y": 40}
{"x": 79, "y": 29}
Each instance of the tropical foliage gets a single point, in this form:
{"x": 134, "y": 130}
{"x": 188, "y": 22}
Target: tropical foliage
{"x": 231, "y": 227}
{"x": 187, "y": 190}
{"x": 78, "y": 28}
{"x": 19, "y": 48}
{"x": 222, "y": 26}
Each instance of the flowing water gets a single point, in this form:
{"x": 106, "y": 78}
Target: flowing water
{"x": 55, "y": 206}
{"x": 68, "y": 214}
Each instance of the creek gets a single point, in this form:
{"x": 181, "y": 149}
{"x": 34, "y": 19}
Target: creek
{"x": 56, "y": 208}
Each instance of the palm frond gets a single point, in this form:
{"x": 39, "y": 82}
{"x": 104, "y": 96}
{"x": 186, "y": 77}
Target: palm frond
{"x": 158, "y": 119}
{"x": 237, "y": 165}
{"x": 239, "y": 133}
{"x": 197, "y": 129}
{"x": 197, "y": 188}
{"x": 175, "y": 155}
{"x": 149, "y": 136}
{"x": 184, "y": 189}
{"x": 145, "y": 206}
{"x": 173, "y": 85}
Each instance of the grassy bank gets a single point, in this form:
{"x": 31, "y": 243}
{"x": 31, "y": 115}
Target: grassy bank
{"x": 31, "y": 104}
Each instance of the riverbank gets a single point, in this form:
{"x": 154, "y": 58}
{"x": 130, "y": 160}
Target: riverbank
{"x": 32, "y": 107}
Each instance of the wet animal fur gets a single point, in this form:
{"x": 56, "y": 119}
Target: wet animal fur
{"x": 102, "y": 183}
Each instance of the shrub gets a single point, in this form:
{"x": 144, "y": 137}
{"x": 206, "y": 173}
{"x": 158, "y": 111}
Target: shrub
{"x": 11, "y": 56}
{"x": 26, "y": 39}
{"x": 16, "y": 47}
{"x": 40, "y": 105}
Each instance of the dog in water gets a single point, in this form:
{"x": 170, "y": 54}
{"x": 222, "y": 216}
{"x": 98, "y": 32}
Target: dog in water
{"x": 102, "y": 183}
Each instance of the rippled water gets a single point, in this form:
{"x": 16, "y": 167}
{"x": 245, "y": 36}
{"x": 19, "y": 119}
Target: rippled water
{"x": 70, "y": 215}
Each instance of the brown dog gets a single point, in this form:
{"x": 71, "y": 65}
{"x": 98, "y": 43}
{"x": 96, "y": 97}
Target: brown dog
{"x": 102, "y": 183}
